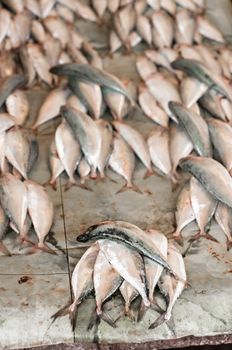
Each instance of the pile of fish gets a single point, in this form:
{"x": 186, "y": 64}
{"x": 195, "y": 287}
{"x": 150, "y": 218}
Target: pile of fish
{"x": 25, "y": 204}
{"x": 130, "y": 261}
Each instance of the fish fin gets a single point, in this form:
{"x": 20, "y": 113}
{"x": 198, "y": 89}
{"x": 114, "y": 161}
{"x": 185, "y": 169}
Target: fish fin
{"x": 149, "y": 173}
{"x": 106, "y": 317}
{"x": 158, "y": 322}
{"x": 228, "y": 244}
{"x": 84, "y": 187}
{"x": 210, "y": 237}
{"x": 43, "y": 247}
{"x": 126, "y": 188}
{"x": 62, "y": 312}
{"x": 156, "y": 307}
{"x": 142, "y": 310}
{"x": 4, "y": 249}
{"x": 68, "y": 185}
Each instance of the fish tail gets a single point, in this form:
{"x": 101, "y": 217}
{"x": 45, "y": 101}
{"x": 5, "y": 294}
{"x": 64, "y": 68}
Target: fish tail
{"x": 106, "y": 317}
{"x": 94, "y": 319}
{"x": 73, "y": 315}
{"x": 129, "y": 186}
{"x": 62, "y": 312}
{"x": 84, "y": 187}
{"x": 160, "y": 320}
{"x": 149, "y": 172}
{"x": 45, "y": 247}
{"x": 142, "y": 310}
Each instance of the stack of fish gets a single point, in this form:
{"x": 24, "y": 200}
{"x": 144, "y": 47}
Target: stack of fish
{"x": 127, "y": 259}
{"x": 40, "y": 34}
{"x": 23, "y": 204}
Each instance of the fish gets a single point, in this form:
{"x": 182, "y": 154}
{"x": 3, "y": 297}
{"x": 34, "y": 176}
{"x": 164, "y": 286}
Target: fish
{"x": 128, "y": 263}
{"x": 122, "y": 161}
{"x": 169, "y": 6}
{"x": 184, "y": 213}
{"x": 100, "y": 7}
{"x": 163, "y": 25}
{"x": 52, "y": 50}
{"x": 114, "y": 101}
{"x": 106, "y": 280}
{"x": 221, "y": 134}
{"x": 145, "y": 67}
{"x": 143, "y": 27}
{"x": 33, "y": 148}
{"x": 212, "y": 175}
{"x": 84, "y": 170}
{"x": 195, "y": 126}
{"x": 191, "y": 91}
{"x": 20, "y": 29}
{"x": 3, "y": 227}
{"x": 93, "y": 75}
{"x": 151, "y": 109}
{"x": 6, "y": 122}
{"x": 153, "y": 271}
{"x": 114, "y": 42}
{"x": 171, "y": 288}
{"x": 51, "y": 106}
{"x": 93, "y": 56}
{"x": 40, "y": 63}
{"x": 3, "y": 160}
{"x": 27, "y": 64}
{"x": 180, "y": 145}
{"x": 17, "y": 105}
{"x": 113, "y": 5}
{"x": 160, "y": 154}
{"x": 58, "y": 29}
{"x": 186, "y": 27}
{"x": 222, "y": 217}
{"x": 74, "y": 102}
{"x": 203, "y": 205}
{"x": 14, "y": 201}
{"x": 126, "y": 233}
{"x": 17, "y": 150}
{"x": 65, "y": 13}
{"x": 85, "y": 12}
{"x": 9, "y": 84}
{"x": 208, "y": 57}
{"x": 16, "y": 6}
{"x": 82, "y": 283}
{"x": 55, "y": 165}
{"x": 129, "y": 294}
{"x": 163, "y": 91}
{"x": 33, "y": 6}
{"x": 87, "y": 133}
{"x": 106, "y": 132}
{"x": 208, "y": 30}
{"x": 211, "y": 102}
{"x": 5, "y": 21}
{"x": 201, "y": 72}
{"x": 68, "y": 150}
{"x": 46, "y": 7}
{"x": 38, "y": 31}
{"x": 40, "y": 208}
{"x": 136, "y": 141}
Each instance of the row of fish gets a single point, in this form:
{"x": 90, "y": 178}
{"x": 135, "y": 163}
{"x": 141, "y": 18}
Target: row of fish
{"x": 25, "y": 204}
{"x": 127, "y": 259}
{"x": 162, "y": 24}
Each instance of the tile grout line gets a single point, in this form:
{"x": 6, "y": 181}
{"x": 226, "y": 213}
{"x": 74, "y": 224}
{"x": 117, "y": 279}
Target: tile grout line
{"x": 66, "y": 246}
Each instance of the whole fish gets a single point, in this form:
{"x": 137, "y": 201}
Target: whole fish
{"x": 91, "y": 74}
{"x": 87, "y": 133}
{"x": 82, "y": 283}
{"x": 136, "y": 141}
{"x": 191, "y": 90}
{"x": 105, "y": 278}
{"x": 3, "y": 228}
{"x": 151, "y": 108}
{"x": 14, "y": 200}
{"x": 17, "y": 150}
{"x": 201, "y": 72}
{"x": 171, "y": 288}
{"x": 128, "y": 263}
{"x": 221, "y": 137}
{"x": 211, "y": 102}
{"x": 17, "y": 105}
{"x": 212, "y": 175}
{"x": 143, "y": 27}
{"x": 114, "y": 101}
{"x": 180, "y": 145}
{"x": 129, "y": 293}
{"x": 222, "y": 216}
{"x": 9, "y": 84}
{"x": 122, "y": 160}
{"x": 153, "y": 270}
{"x": 163, "y": 91}
{"x": 208, "y": 30}
{"x": 51, "y": 106}
{"x": 160, "y": 154}
{"x": 55, "y": 165}
{"x": 184, "y": 213}
{"x": 195, "y": 126}
{"x": 68, "y": 150}
{"x": 203, "y": 205}
{"x": 186, "y": 26}
{"x": 163, "y": 25}
{"x": 106, "y": 132}
{"x": 126, "y": 233}
{"x": 40, "y": 206}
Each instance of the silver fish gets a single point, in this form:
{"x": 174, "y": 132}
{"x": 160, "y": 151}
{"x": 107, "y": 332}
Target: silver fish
{"x": 84, "y": 170}
{"x": 40, "y": 63}
{"x": 191, "y": 90}
{"x": 143, "y": 27}
{"x": 163, "y": 25}
{"x": 222, "y": 216}
{"x": 128, "y": 263}
{"x": 9, "y": 84}
{"x": 129, "y": 293}
{"x": 186, "y": 27}
{"x": 106, "y": 145}
{"x": 92, "y": 96}
{"x": 68, "y": 150}
{"x": 87, "y": 133}
{"x": 136, "y": 141}
{"x": 115, "y": 102}
{"x": 82, "y": 283}
{"x": 211, "y": 102}
{"x": 195, "y": 126}
{"x": 212, "y": 175}
{"x": 46, "y": 7}
{"x": 74, "y": 102}
{"x": 40, "y": 206}
{"x": 58, "y": 29}
{"x": 145, "y": 67}
{"x": 208, "y": 30}
{"x": 17, "y": 105}
{"x": 55, "y": 164}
